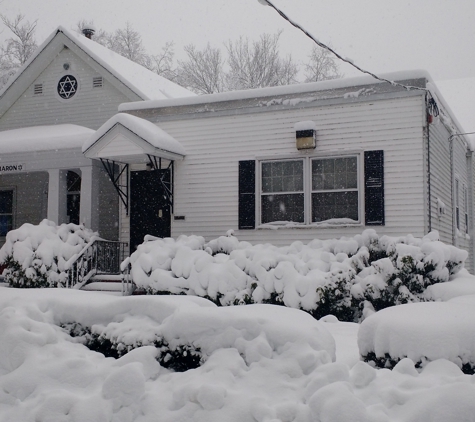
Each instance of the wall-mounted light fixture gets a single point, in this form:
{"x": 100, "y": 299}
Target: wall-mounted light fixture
{"x": 306, "y": 135}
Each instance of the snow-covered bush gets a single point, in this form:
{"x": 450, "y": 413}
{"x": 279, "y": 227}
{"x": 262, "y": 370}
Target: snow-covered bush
{"x": 344, "y": 277}
{"x": 422, "y": 332}
{"x": 257, "y": 331}
{"x": 179, "y": 358}
{"x": 38, "y": 255}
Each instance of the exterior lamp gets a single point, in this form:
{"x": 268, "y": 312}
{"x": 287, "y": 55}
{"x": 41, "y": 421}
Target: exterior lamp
{"x": 306, "y": 135}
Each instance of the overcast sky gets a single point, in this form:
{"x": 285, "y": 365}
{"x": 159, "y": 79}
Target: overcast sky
{"x": 379, "y": 35}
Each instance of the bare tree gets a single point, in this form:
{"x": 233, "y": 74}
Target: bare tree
{"x": 18, "y": 48}
{"x": 128, "y": 43}
{"x": 162, "y": 63}
{"x": 203, "y": 71}
{"x": 321, "y": 66}
{"x": 258, "y": 64}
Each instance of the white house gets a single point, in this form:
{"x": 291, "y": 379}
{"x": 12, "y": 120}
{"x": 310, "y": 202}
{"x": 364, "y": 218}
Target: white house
{"x": 374, "y": 155}
{"x": 281, "y": 164}
{"x": 66, "y": 90}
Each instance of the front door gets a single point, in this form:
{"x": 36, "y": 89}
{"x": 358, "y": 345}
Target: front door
{"x": 150, "y": 211}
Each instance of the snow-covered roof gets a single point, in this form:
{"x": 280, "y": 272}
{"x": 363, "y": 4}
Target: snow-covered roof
{"x": 43, "y": 138}
{"x": 145, "y": 83}
{"x": 332, "y": 84}
{"x": 146, "y": 138}
{"x": 346, "y": 88}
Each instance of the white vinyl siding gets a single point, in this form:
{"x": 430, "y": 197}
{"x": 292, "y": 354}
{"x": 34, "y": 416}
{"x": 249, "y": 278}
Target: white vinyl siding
{"x": 440, "y": 182}
{"x": 206, "y": 191}
{"x": 90, "y": 107}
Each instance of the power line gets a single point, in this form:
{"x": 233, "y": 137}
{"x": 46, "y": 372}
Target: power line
{"x": 326, "y": 47}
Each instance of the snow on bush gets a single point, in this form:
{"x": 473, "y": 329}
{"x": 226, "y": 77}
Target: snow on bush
{"x": 347, "y": 277}
{"x": 422, "y": 332}
{"x": 38, "y": 255}
{"x": 262, "y": 363}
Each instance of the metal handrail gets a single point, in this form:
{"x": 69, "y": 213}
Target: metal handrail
{"x": 99, "y": 256}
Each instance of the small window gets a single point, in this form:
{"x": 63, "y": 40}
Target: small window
{"x": 6, "y": 212}
{"x": 38, "y": 89}
{"x": 73, "y": 200}
{"x": 97, "y": 82}
{"x": 465, "y": 207}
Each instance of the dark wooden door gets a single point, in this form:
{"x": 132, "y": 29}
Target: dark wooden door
{"x": 149, "y": 206}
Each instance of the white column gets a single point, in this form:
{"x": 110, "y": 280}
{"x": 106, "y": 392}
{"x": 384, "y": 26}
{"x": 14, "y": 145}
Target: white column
{"x": 57, "y": 191}
{"x": 89, "y": 210}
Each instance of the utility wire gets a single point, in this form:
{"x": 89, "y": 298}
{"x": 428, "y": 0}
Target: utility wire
{"x": 322, "y": 45}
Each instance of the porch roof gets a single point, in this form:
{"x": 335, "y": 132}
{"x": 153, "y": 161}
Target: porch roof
{"x": 43, "y": 138}
{"x": 130, "y": 139}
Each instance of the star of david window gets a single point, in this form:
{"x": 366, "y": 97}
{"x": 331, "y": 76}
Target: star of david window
{"x": 67, "y": 86}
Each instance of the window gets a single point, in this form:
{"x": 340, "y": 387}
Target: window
{"x": 335, "y": 189}
{"x": 332, "y": 191}
{"x": 73, "y": 200}
{"x": 312, "y": 190}
{"x": 457, "y": 205}
{"x": 282, "y": 191}
{"x": 6, "y": 212}
{"x": 465, "y": 207}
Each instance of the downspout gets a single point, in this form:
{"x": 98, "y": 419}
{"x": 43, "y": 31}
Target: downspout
{"x": 452, "y": 177}
{"x": 429, "y": 196}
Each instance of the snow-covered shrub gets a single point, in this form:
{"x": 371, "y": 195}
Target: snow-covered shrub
{"x": 37, "y": 255}
{"x": 406, "y": 268}
{"x": 180, "y": 357}
{"x": 422, "y": 332}
{"x": 342, "y": 277}
{"x": 256, "y": 332}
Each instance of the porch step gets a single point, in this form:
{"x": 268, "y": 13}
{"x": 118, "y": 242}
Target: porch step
{"x": 113, "y": 287}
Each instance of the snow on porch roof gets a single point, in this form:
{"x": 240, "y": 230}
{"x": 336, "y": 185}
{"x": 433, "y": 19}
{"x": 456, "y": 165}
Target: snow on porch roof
{"x": 43, "y": 138}
{"x": 130, "y": 139}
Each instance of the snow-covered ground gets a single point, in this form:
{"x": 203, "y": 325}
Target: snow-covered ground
{"x": 258, "y": 363}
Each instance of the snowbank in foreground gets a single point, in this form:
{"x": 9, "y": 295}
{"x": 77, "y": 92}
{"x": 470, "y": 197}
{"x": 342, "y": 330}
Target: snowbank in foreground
{"x": 423, "y": 332}
{"x": 347, "y": 277}
{"x": 278, "y": 368}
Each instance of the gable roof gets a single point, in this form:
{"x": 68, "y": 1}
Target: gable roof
{"x": 137, "y": 82}
{"x": 130, "y": 139}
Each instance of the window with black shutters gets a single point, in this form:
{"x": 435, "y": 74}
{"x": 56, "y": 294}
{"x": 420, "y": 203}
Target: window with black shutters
{"x": 313, "y": 190}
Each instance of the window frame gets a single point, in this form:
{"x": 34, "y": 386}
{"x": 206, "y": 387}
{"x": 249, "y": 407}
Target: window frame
{"x": 13, "y": 190}
{"x": 308, "y": 191}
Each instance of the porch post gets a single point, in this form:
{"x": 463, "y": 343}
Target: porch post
{"x": 57, "y": 196}
{"x": 89, "y": 207}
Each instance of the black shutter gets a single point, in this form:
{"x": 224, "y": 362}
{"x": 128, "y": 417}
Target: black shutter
{"x": 374, "y": 188}
{"x": 247, "y": 195}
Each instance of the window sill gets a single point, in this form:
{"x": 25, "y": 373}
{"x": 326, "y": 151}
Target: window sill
{"x": 329, "y": 224}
